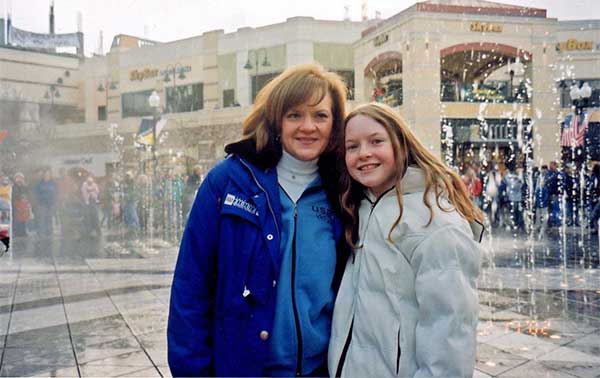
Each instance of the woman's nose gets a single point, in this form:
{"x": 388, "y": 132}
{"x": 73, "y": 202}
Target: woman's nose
{"x": 308, "y": 124}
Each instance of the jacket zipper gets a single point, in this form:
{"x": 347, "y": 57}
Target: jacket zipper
{"x": 398, "y": 353}
{"x": 294, "y": 305}
{"x": 338, "y": 372}
{"x": 266, "y": 195}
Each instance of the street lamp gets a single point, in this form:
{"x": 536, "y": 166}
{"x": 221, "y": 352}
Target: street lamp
{"x": 580, "y": 96}
{"x": 52, "y": 93}
{"x": 104, "y": 86}
{"x": 178, "y": 71}
{"x": 154, "y": 102}
{"x": 248, "y": 66}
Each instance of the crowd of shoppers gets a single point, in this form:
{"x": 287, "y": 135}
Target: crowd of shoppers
{"x": 538, "y": 199}
{"x": 80, "y": 205}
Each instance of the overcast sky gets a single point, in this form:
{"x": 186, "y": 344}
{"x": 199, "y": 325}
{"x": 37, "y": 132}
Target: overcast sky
{"x": 166, "y": 20}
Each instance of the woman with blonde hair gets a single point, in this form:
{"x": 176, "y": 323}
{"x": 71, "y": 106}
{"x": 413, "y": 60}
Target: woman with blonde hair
{"x": 407, "y": 304}
{"x": 254, "y": 284}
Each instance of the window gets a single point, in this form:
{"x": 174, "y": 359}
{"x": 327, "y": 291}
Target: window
{"x": 348, "y": 77}
{"x": 229, "y": 98}
{"x": 135, "y": 104}
{"x": 185, "y": 98}
{"x": 259, "y": 81}
{"x": 101, "y": 113}
{"x": 564, "y": 88}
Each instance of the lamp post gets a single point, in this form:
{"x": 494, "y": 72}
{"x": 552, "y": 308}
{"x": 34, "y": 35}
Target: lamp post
{"x": 580, "y": 96}
{"x": 104, "y": 86}
{"x": 52, "y": 93}
{"x": 248, "y": 66}
{"x": 178, "y": 71}
{"x": 154, "y": 102}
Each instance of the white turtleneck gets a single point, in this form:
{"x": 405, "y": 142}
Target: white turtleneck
{"x": 294, "y": 175}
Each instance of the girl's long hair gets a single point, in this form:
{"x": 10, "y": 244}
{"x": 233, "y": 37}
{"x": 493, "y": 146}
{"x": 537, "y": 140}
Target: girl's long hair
{"x": 408, "y": 150}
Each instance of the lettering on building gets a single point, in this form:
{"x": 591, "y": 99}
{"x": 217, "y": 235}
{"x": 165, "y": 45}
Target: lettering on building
{"x": 573, "y": 44}
{"x": 144, "y": 74}
{"x": 78, "y": 161}
{"x": 381, "y": 39}
{"x": 486, "y": 27}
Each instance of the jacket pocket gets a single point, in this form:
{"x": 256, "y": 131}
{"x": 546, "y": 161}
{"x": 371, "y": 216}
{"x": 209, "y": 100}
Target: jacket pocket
{"x": 398, "y": 352}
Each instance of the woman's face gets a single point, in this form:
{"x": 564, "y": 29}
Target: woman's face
{"x": 306, "y": 129}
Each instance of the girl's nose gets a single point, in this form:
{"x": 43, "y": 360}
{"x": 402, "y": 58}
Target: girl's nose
{"x": 364, "y": 152}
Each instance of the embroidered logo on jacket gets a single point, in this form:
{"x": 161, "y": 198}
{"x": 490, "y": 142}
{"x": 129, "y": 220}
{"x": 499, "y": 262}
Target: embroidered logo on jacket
{"x": 240, "y": 203}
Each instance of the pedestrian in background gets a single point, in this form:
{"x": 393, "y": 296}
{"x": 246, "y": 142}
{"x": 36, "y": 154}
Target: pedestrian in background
{"x": 594, "y": 195}
{"x": 21, "y": 205}
{"x": 552, "y": 182}
{"x": 191, "y": 187}
{"x": 46, "y": 195}
{"x": 130, "y": 200}
{"x": 90, "y": 194}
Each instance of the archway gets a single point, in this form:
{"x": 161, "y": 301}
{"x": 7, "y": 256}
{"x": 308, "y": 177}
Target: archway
{"x": 383, "y": 78}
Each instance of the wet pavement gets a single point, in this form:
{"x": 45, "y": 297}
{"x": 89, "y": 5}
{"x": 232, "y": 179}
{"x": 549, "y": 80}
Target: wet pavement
{"x": 94, "y": 307}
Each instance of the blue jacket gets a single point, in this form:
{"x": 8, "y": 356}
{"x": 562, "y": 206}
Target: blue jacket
{"x": 224, "y": 290}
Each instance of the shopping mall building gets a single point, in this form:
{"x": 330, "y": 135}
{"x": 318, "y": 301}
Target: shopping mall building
{"x": 476, "y": 80}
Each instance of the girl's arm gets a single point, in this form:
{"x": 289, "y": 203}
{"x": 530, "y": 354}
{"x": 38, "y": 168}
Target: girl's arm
{"x": 446, "y": 266}
{"x": 190, "y": 327}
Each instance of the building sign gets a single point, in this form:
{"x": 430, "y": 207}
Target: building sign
{"x": 381, "y": 39}
{"x": 180, "y": 70}
{"x": 23, "y": 38}
{"x": 485, "y": 27}
{"x": 144, "y": 74}
{"x": 93, "y": 163}
{"x": 573, "y": 44}
{"x": 148, "y": 73}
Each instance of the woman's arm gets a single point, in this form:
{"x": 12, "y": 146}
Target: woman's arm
{"x": 446, "y": 267}
{"x": 190, "y": 327}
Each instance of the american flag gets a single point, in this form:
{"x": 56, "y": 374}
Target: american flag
{"x": 573, "y": 130}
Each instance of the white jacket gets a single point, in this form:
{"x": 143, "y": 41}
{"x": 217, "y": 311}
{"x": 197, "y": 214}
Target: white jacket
{"x": 408, "y": 308}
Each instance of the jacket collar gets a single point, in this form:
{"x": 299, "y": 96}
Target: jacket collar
{"x": 265, "y": 159}
{"x": 413, "y": 182}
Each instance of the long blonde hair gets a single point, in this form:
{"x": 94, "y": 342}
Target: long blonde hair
{"x": 294, "y": 86}
{"x": 408, "y": 150}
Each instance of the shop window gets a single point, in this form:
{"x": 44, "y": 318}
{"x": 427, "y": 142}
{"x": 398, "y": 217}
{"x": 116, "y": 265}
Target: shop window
{"x": 135, "y": 104}
{"x": 101, "y": 113}
{"x": 229, "y": 98}
{"x": 564, "y": 88}
{"x": 348, "y": 78}
{"x": 389, "y": 92}
{"x": 185, "y": 98}
{"x": 259, "y": 81}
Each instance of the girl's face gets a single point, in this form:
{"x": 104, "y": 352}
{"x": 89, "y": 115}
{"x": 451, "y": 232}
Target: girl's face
{"x": 370, "y": 154}
{"x": 305, "y": 129}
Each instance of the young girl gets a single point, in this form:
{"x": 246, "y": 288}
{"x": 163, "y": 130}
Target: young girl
{"x": 407, "y": 304}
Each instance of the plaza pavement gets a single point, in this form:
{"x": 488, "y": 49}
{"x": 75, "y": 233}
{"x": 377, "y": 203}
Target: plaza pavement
{"x": 92, "y": 308}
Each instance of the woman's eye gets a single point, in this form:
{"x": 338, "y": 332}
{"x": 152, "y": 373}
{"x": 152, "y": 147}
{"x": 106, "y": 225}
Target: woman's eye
{"x": 293, "y": 115}
{"x": 323, "y": 115}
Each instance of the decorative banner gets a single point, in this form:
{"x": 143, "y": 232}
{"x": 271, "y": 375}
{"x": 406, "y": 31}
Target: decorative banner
{"x": 23, "y": 38}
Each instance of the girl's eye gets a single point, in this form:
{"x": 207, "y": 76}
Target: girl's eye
{"x": 377, "y": 141}
{"x": 351, "y": 147}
